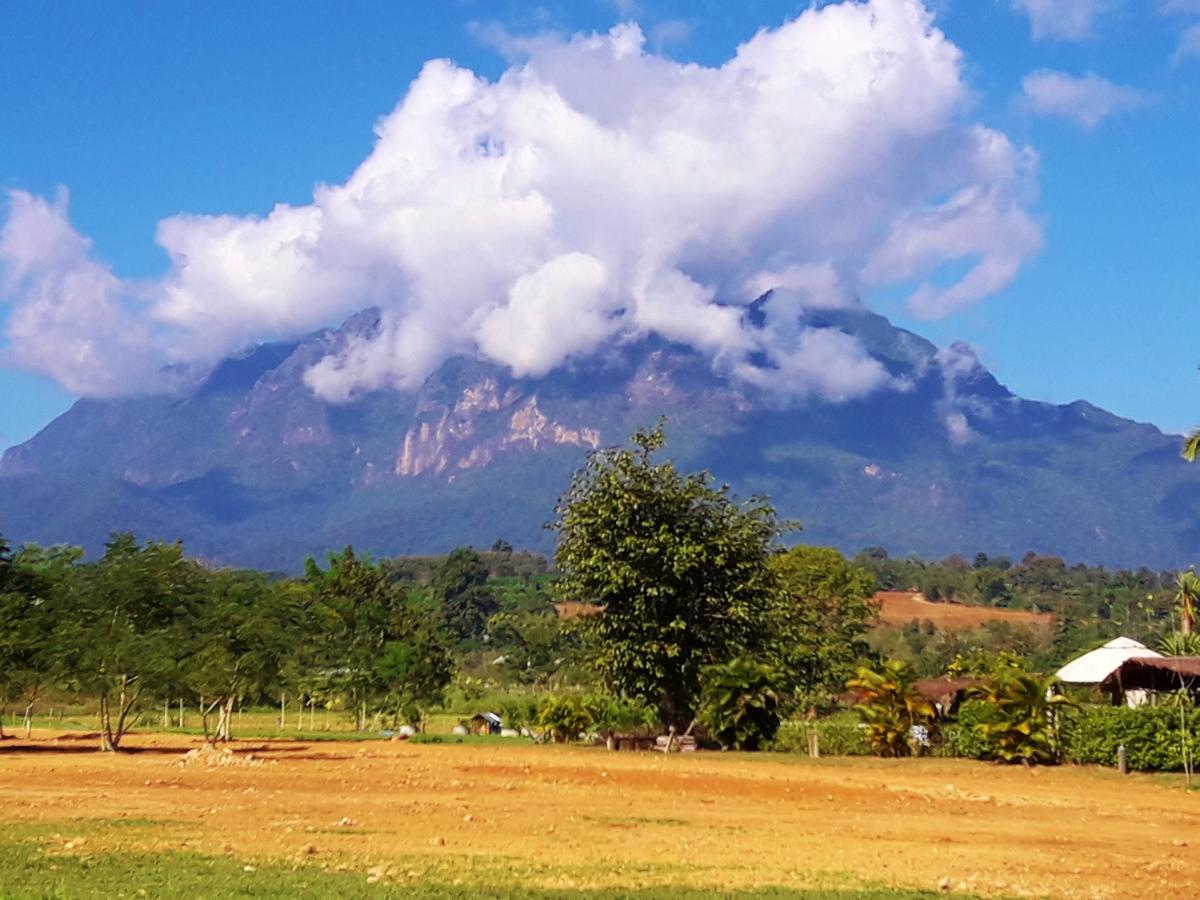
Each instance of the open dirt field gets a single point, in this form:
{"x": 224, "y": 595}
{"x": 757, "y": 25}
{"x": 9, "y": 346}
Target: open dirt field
{"x": 564, "y": 818}
{"x": 901, "y": 607}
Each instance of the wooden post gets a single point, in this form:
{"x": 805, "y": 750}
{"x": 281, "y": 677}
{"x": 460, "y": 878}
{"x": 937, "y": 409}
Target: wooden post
{"x": 1121, "y": 762}
{"x": 282, "y": 710}
{"x": 814, "y": 744}
{"x": 166, "y": 714}
{"x": 181, "y": 712}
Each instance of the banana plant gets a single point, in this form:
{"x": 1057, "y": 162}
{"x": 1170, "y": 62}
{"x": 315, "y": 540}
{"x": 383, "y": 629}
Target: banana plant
{"x": 891, "y": 707}
{"x": 740, "y": 705}
{"x": 1024, "y": 728}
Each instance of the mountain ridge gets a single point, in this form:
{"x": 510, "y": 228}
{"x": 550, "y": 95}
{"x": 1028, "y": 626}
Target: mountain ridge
{"x": 251, "y": 468}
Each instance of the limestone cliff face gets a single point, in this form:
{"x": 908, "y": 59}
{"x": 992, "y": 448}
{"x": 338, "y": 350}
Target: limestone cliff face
{"x": 481, "y": 424}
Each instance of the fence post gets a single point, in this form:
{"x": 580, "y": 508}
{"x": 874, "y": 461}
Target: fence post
{"x": 1121, "y": 762}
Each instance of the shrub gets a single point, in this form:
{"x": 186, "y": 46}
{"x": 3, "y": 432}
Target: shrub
{"x": 611, "y": 714}
{"x": 965, "y": 736}
{"x": 1151, "y": 735}
{"x": 564, "y": 716}
{"x": 840, "y": 734}
{"x": 519, "y": 711}
{"x": 739, "y": 704}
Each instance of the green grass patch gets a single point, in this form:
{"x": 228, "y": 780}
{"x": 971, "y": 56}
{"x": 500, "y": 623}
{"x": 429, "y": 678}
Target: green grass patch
{"x": 37, "y": 866}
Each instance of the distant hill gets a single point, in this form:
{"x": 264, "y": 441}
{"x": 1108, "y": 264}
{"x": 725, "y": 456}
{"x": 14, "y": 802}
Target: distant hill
{"x": 250, "y": 468}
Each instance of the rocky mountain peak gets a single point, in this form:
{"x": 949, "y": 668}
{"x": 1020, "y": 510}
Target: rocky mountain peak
{"x": 252, "y": 467}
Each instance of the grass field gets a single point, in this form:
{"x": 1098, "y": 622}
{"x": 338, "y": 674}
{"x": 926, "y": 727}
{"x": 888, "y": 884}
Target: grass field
{"x": 377, "y": 819}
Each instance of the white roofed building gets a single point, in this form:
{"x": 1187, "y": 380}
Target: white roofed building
{"x": 1093, "y": 667}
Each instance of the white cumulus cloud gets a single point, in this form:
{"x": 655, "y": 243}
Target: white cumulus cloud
{"x": 1086, "y": 100}
{"x": 596, "y": 191}
{"x": 73, "y": 319}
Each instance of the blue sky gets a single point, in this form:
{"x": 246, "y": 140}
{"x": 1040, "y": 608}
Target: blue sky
{"x": 144, "y": 111}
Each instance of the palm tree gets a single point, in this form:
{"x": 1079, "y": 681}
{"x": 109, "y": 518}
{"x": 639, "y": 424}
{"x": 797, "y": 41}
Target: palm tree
{"x": 1179, "y": 644}
{"x": 1187, "y": 591}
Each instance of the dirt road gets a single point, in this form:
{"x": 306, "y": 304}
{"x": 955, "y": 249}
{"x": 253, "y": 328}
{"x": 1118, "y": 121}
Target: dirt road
{"x": 566, "y": 817}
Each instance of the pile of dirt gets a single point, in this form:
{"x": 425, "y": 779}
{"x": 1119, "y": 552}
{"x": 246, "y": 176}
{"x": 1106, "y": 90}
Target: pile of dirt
{"x": 212, "y": 756}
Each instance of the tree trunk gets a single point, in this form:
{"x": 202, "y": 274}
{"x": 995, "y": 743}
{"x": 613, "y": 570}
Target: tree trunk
{"x": 106, "y": 737}
{"x": 28, "y": 720}
{"x": 282, "y": 710}
{"x": 1187, "y": 619}
{"x": 225, "y": 725}
{"x": 128, "y": 700}
{"x": 223, "y": 712}
{"x": 210, "y": 735}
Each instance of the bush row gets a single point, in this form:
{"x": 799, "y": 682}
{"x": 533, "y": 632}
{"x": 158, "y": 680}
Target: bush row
{"x": 1152, "y": 736}
{"x": 1090, "y": 735}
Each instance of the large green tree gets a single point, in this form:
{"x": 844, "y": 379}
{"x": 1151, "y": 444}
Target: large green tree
{"x": 820, "y": 621}
{"x": 460, "y": 585}
{"x": 678, "y": 564}
{"x": 27, "y": 652}
{"x": 122, "y": 627}
{"x": 381, "y": 651}
{"x": 249, "y": 638}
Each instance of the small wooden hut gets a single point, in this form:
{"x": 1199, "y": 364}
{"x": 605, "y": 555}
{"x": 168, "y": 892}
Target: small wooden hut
{"x": 485, "y": 723}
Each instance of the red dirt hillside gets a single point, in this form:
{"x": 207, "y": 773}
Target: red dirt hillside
{"x": 901, "y": 607}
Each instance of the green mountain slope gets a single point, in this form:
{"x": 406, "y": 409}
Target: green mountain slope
{"x": 251, "y": 468}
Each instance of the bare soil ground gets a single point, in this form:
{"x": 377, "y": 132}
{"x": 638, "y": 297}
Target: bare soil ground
{"x": 901, "y": 607}
{"x": 564, "y": 818}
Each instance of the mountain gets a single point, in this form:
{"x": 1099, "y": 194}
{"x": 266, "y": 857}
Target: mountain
{"x": 251, "y": 468}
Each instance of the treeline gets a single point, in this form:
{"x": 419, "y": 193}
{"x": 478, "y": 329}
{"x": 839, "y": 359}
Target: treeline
{"x": 1035, "y": 582}
{"x": 1091, "y": 604}
{"x": 704, "y": 619}
{"x": 144, "y": 623}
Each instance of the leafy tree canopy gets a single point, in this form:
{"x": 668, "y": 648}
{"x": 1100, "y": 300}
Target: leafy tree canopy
{"x": 820, "y": 621}
{"x": 678, "y": 564}
{"x": 461, "y": 586}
